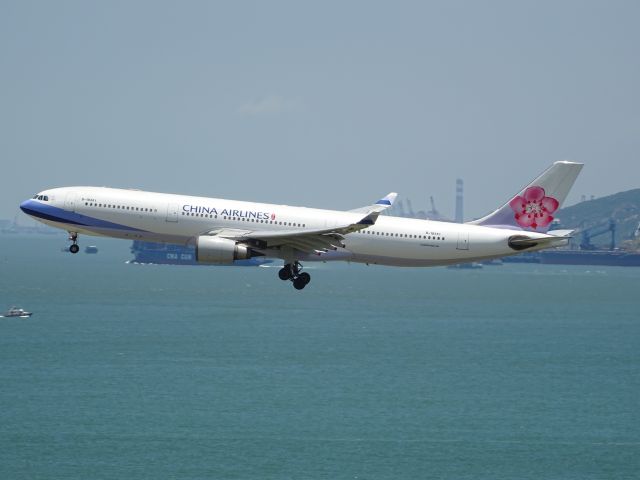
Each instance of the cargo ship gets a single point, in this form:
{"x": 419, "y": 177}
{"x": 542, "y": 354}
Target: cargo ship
{"x": 164, "y": 253}
{"x": 615, "y": 258}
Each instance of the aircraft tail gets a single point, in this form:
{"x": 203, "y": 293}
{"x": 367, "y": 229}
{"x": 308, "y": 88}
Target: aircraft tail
{"x": 532, "y": 209}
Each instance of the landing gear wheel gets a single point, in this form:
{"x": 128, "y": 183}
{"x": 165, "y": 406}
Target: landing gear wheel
{"x": 292, "y": 272}
{"x": 299, "y": 283}
{"x": 74, "y": 248}
{"x": 285, "y": 273}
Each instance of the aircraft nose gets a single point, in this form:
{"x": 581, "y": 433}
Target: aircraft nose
{"x": 27, "y": 206}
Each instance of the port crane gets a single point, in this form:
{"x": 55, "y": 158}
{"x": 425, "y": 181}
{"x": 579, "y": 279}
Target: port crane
{"x": 588, "y": 233}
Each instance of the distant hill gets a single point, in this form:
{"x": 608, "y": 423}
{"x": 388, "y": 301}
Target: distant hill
{"x": 623, "y": 208}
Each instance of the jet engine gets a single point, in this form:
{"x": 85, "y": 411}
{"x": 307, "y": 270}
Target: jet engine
{"x": 216, "y": 250}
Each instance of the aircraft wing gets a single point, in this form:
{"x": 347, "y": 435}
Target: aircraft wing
{"x": 315, "y": 241}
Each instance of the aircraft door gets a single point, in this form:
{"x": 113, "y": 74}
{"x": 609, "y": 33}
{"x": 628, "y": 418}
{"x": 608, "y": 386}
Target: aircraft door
{"x": 70, "y": 202}
{"x": 463, "y": 241}
{"x": 172, "y": 212}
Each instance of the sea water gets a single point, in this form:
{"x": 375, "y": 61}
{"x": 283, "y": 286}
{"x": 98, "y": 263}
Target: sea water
{"x": 156, "y": 371}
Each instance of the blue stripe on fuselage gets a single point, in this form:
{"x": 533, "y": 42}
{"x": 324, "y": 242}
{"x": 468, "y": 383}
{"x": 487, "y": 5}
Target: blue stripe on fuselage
{"x": 55, "y": 214}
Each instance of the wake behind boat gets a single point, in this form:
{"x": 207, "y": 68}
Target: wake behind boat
{"x": 16, "y": 312}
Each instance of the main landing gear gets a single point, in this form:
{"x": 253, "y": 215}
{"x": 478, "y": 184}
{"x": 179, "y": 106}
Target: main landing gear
{"x": 293, "y": 272}
{"x": 74, "y": 248}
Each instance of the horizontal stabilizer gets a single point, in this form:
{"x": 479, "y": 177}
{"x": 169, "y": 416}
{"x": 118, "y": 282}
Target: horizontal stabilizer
{"x": 560, "y": 233}
{"x": 525, "y": 242}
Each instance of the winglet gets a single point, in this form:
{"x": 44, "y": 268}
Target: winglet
{"x": 388, "y": 200}
{"x": 380, "y": 206}
{"x": 372, "y": 212}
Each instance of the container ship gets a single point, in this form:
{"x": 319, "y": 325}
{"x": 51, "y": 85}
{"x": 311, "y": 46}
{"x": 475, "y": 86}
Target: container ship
{"x": 616, "y": 258}
{"x": 164, "y": 253}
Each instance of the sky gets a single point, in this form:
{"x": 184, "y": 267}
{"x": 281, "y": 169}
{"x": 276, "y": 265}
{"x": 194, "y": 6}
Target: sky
{"x": 323, "y": 104}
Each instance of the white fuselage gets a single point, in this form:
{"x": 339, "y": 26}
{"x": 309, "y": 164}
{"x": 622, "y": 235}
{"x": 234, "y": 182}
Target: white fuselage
{"x": 180, "y": 219}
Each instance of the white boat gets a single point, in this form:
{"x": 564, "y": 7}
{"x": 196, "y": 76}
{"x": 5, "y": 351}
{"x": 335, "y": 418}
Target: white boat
{"x": 16, "y": 312}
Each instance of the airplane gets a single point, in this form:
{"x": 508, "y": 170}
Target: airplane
{"x": 226, "y": 230}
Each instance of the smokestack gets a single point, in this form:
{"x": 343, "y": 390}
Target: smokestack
{"x": 459, "y": 218}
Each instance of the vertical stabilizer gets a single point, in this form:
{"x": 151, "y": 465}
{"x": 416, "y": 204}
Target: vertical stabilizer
{"x": 533, "y": 208}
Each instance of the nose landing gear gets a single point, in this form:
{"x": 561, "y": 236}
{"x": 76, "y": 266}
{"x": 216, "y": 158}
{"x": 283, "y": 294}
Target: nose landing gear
{"x": 74, "y": 248}
{"x": 293, "y": 272}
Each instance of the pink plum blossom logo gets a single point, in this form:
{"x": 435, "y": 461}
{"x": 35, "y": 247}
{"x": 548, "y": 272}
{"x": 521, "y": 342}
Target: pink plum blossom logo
{"x": 534, "y": 209}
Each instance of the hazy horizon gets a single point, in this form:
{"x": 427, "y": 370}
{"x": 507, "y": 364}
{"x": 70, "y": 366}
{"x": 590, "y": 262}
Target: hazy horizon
{"x": 324, "y": 105}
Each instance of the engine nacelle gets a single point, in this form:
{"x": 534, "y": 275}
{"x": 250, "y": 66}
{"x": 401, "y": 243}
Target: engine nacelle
{"x": 216, "y": 250}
